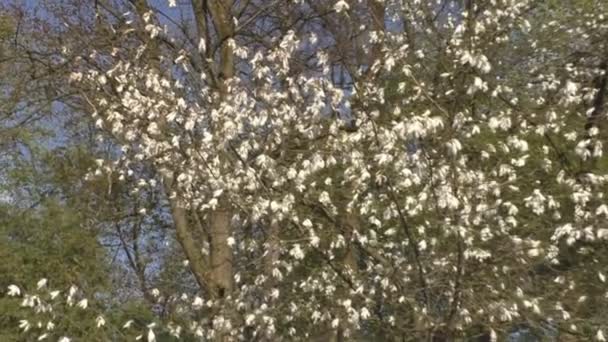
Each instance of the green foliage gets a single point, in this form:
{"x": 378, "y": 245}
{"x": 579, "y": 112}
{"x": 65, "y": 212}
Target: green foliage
{"x": 46, "y": 243}
{"x": 6, "y": 28}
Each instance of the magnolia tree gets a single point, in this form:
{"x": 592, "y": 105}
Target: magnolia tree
{"x": 343, "y": 170}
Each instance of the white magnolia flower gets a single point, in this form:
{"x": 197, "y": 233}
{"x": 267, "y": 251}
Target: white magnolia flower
{"x": 202, "y": 46}
{"x": 24, "y": 324}
{"x": 13, "y": 290}
{"x": 422, "y": 245}
{"x": 54, "y": 294}
{"x": 100, "y": 321}
{"x": 83, "y": 304}
{"x": 297, "y": 252}
{"x": 30, "y": 301}
{"x": 314, "y": 241}
{"x": 128, "y": 324}
{"x": 64, "y": 339}
{"x": 174, "y": 330}
{"x": 42, "y": 283}
{"x": 274, "y": 293}
{"x": 72, "y": 290}
{"x": 151, "y": 336}
{"x": 365, "y": 313}
{"x": 197, "y": 303}
{"x": 571, "y": 88}
{"x": 600, "y": 335}
{"x": 50, "y": 325}
{"x": 341, "y": 6}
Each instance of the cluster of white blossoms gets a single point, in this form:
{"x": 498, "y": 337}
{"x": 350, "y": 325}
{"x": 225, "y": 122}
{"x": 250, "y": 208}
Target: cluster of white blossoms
{"x": 434, "y": 192}
{"x": 49, "y": 314}
{"x": 46, "y": 307}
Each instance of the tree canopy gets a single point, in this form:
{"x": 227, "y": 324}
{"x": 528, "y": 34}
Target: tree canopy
{"x": 257, "y": 170}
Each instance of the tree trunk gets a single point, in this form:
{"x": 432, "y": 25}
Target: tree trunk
{"x": 221, "y": 252}
{"x": 183, "y": 234}
{"x": 217, "y": 13}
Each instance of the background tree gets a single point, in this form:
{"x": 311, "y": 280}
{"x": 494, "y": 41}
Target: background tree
{"x": 342, "y": 170}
